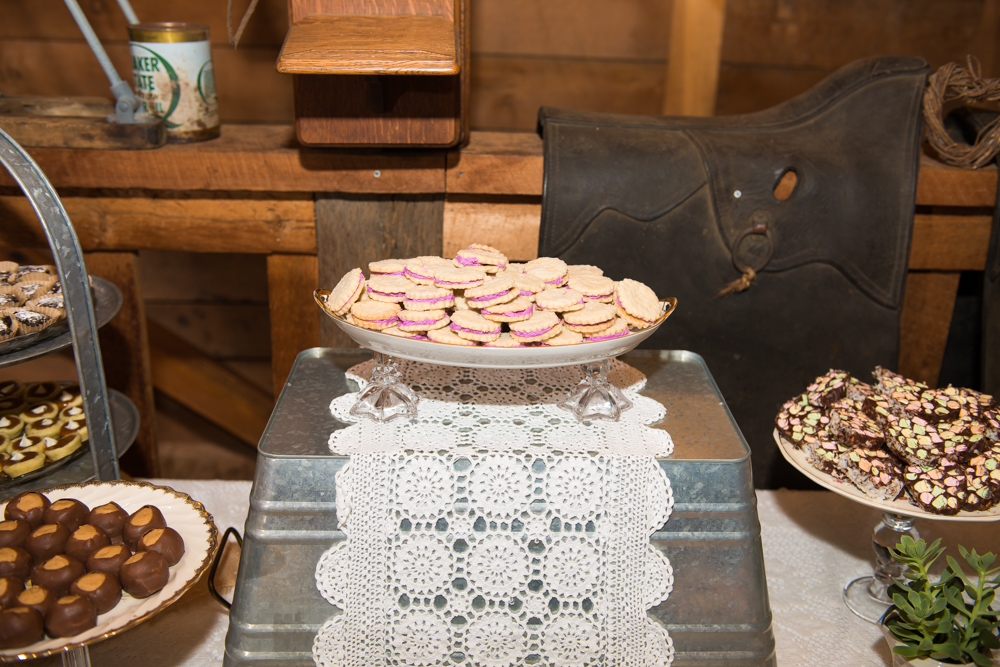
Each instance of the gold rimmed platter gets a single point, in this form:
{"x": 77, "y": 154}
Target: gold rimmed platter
{"x": 495, "y": 357}
{"x": 182, "y": 513}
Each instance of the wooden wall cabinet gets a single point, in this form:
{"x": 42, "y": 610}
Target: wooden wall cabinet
{"x": 386, "y": 73}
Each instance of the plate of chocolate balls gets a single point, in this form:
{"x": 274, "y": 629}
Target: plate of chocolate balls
{"x": 82, "y": 562}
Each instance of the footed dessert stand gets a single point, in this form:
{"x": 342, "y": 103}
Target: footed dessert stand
{"x": 866, "y": 596}
{"x": 387, "y": 397}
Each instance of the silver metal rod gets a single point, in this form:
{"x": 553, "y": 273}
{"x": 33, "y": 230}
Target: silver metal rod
{"x": 128, "y": 11}
{"x": 93, "y": 41}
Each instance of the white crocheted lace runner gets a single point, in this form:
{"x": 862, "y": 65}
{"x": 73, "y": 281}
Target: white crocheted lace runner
{"x": 496, "y": 530}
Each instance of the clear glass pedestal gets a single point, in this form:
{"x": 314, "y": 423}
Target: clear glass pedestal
{"x": 595, "y": 397}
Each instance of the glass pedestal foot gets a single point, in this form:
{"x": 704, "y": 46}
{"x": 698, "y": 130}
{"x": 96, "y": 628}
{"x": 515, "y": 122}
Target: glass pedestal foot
{"x": 867, "y": 596}
{"x": 595, "y": 397}
{"x": 385, "y": 397}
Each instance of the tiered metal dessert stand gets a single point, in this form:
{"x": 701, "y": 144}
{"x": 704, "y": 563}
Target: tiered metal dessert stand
{"x": 112, "y": 419}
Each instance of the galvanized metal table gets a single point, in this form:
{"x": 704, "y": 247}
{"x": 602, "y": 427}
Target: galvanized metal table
{"x": 718, "y": 613}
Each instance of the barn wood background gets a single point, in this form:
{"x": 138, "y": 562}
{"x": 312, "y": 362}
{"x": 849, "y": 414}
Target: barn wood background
{"x": 601, "y": 55}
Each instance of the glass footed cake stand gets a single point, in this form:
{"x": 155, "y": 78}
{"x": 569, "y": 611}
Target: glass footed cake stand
{"x": 387, "y": 397}
{"x": 866, "y": 596}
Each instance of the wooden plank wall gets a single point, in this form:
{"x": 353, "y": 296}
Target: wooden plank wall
{"x": 601, "y": 55}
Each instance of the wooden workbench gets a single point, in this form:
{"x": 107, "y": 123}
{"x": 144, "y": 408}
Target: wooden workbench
{"x": 254, "y": 190}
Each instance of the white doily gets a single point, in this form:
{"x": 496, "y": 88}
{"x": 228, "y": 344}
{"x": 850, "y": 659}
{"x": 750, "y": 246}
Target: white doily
{"x": 502, "y": 410}
{"x": 468, "y": 549}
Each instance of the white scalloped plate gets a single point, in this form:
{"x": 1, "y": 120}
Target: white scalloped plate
{"x": 185, "y": 515}
{"x": 798, "y": 458}
{"x": 495, "y": 357}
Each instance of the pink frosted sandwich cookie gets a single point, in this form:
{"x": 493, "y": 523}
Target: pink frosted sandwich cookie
{"x": 505, "y": 340}
{"x": 471, "y": 325}
{"x": 422, "y": 320}
{"x": 493, "y": 291}
{"x": 637, "y": 303}
{"x": 551, "y": 270}
{"x": 583, "y": 270}
{"x": 376, "y": 315}
{"x": 593, "y": 288}
{"x": 490, "y": 261}
{"x": 449, "y": 337}
{"x": 592, "y": 318}
{"x": 565, "y": 337}
{"x": 541, "y": 326}
{"x": 428, "y": 297}
{"x": 512, "y": 311}
{"x": 618, "y": 329}
{"x": 455, "y": 278}
{"x": 391, "y": 289}
{"x": 420, "y": 270}
{"x": 528, "y": 285}
{"x": 387, "y": 267}
{"x": 346, "y": 292}
{"x": 559, "y": 300}
{"x": 399, "y": 333}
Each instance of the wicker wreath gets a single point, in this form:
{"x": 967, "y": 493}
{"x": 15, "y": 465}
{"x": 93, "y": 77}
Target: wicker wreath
{"x": 953, "y": 82}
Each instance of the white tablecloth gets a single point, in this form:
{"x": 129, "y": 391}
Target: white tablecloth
{"x": 814, "y": 543}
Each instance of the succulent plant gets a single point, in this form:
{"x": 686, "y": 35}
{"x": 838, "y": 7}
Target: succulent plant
{"x": 952, "y": 619}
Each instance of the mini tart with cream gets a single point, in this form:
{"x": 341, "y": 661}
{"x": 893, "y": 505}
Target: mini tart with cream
{"x": 14, "y": 405}
{"x": 27, "y": 443}
{"x": 541, "y": 326}
{"x": 11, "y": 426}
{"x": 512, "y": 311}
{"x": 63, "y": 447}
{"x": 428, "y": 297}
{"x": 375, "y": 315}
{"x": 637, "y": 303}
{"x": 390, "y": 289}
{"x": 38, "y": 412}
{"x": 346, "y": 292}
{"x": 21, "y": 463}
{"x": 68, "y": 396}
{"x": 493, "y": 291}
{"x": 37, "y": 392}
{"x": 9, "y": 388}
{"x": 471, "y": 325}
{"x": 44, "y": 428}
{"x": 422, "y": 320}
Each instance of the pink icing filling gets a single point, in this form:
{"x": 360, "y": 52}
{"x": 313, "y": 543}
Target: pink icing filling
{"x": 450, "y": 297}
{"x": 468, "y": 261}
{"x": 455, "y": 327}
{"x": 387, "y": 323}
{"x": 530, "y": 334}
{"x": 469, "y": 283}
{"x": 392, "y": 294}
{"x": 487, "y": 297}
{"x": 618, "y": 301}
{"x": 416, "y": 275}
{"x": 410, "y": 323}
{"x": 597, "y": 339}
{"x": 389, "y": 273}
{"x": 602, "y": 296}
{"x": 525, "y": 292}
{"x": 554, "y": 282}
{"x": 526, "y": 311}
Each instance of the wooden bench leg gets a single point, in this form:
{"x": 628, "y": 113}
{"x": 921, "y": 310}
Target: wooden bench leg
{"x": 295, "y": 318}
{"x": 125, "y": 352}
{"x": 924, "y": 322}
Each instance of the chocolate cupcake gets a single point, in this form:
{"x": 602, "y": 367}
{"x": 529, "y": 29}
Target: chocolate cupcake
{"x": 110, "y": 518}
{"x": 68, "y": 511}
{"x": 57, "y": 573}
{"x": 38, "y": 598}
{"x": 144, "y": 519}
{"x": 109, "y": 559}
{"x": 14, "y": 533}
{"x": 85, "y": 540}
{"x": 71, "y": 615}
{"x": 28, "y": 506}
{"x": 165, "y": 541}
{"x": 15, "y": 562}
{"x": 46, "y": 541}
{"x": 144, "y": 574}
{"x": 10, "y": 588}
{"x": 20, "y": 626}
{"x": 103, "y": 590}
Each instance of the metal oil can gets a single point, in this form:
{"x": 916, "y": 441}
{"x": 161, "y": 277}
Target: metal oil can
{"x": 174, "y": 78}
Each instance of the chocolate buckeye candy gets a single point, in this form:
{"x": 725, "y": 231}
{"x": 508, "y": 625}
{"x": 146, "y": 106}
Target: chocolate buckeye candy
{"x": 57, "y": 573}
{"x": 20, "y": 626}
{"x": 111, "y": 519}
{"x": 38, "y": 598}
{"x": 165, "y": 541}
{"x": 144, "y": 574}
{"x": 10, "y": 588}
{"x": 84, "y": 541}
{"x": 47, "y": 541}
{"x": 102, "y": 589}
{"x": 71, "y": 615}
{"x": 109, "y": 559}
{"x": 70, "y": 512}
{"x": 144, "y": 519}
{"x": 29, "y": 506}
{"x": 15, "y": 562}
{"x": 14, "y": 533}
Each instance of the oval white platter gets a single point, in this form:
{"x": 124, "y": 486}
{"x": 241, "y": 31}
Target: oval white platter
{"x": 495, "y": 357}
{"x": 185, "y": 515}
{"x": 798, "y": 458}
